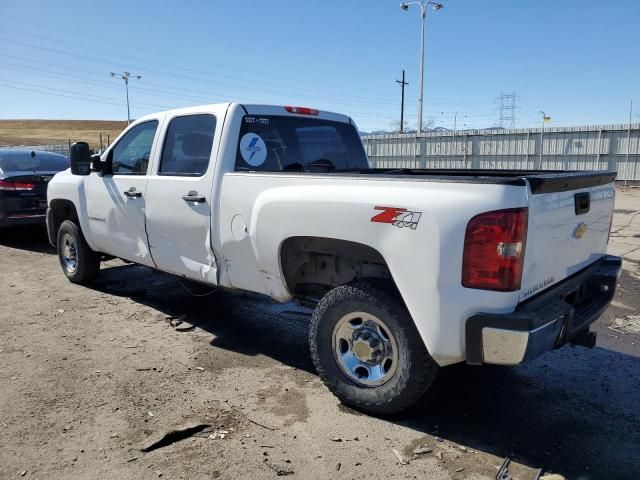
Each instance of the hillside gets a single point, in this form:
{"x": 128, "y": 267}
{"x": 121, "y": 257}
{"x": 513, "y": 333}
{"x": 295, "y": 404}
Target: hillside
{"x": 46, "y": 132}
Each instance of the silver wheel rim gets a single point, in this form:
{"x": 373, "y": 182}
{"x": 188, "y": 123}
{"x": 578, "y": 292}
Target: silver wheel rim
{"x": 69, "y": 253}
{"x": 365, "y": 349}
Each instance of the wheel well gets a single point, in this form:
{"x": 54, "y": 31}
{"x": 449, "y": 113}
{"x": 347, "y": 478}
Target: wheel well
{"x": 314, "y": 265}
{"x": 61, "y": 210}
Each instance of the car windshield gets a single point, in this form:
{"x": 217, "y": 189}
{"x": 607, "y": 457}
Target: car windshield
{"x": 277, "y": 143}
{"x": 33, "y": 162}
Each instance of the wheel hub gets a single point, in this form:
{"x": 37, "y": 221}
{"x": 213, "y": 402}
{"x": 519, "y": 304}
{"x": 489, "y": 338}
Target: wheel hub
{"x": 69, "y": 253}
{"x": 364, "y": 349}
{"x": 367, "y": 347}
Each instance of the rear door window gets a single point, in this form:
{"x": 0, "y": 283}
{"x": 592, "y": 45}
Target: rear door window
{"x": 279, "y": 143}
{"x": 187, "y": 145}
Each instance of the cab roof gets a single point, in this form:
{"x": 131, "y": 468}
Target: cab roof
{"x": 255, "y": 109}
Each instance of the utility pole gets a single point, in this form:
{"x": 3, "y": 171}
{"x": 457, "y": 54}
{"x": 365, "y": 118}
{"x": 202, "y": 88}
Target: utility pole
{"x": 402, "y": 85}
{"x": 423, "y": 14}
{"x": 626, "y": 166}
{"x": 126, "y": 76}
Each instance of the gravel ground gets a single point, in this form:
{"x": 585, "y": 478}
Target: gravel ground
{"x": 90, "y": 377}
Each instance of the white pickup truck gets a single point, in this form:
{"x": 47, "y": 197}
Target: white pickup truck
{"x": 408, "y": 270}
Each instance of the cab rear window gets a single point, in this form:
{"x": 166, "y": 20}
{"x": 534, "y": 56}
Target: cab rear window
{"x": 278, "y": 143}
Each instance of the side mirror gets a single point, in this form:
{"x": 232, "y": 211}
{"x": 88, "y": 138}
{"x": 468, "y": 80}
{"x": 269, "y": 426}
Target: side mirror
{"x": 80, "y": 158}
{"x": 97, "y": 165}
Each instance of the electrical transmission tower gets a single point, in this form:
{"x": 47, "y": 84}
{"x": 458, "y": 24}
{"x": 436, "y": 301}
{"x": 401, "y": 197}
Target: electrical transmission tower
{"x": 507, "y": 108}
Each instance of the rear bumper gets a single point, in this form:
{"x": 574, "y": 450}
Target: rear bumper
{"x": 26, "y": 218}
{"x": 559, "y": 315}
{"x": 16, "y": 210}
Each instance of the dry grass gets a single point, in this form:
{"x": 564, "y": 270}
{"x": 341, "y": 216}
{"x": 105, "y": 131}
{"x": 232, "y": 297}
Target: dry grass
{"x": 47, "y": 132}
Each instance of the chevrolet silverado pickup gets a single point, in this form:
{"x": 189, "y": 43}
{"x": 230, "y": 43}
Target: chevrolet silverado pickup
{"x": 408, "y": 270}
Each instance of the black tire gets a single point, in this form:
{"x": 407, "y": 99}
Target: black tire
{"x": 415, "y": 370}
{"x": 87, "y": 262}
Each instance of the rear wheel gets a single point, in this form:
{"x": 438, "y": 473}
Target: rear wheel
{"x": 367, "y": 350}
{"x": 79, "y": 263}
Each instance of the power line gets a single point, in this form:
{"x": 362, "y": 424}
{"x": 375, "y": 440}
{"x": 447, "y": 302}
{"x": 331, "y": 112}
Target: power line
{"x": 144, "y": 91}
{"x": 103, "y": 84}
{"x": 89, "y": 81}
{"x": 60, "y": 95}
{"x": 171, "y": 89}
{"x": 198, "y": 61}
{"x": 155, "y": 105}
{"x": 234, "y": 81}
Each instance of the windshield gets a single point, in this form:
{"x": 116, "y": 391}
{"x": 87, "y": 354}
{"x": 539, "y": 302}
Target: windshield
{"x": 28, "y": 162}
{"x": 277, "y": 143}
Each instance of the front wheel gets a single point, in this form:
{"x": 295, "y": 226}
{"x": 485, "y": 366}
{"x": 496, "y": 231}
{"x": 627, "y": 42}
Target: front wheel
{"x": 79, "y": 263}
{"x": 367, "y": 350}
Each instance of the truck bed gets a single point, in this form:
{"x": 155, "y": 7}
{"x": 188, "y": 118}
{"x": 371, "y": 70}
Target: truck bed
{"x": 540, "y": 181}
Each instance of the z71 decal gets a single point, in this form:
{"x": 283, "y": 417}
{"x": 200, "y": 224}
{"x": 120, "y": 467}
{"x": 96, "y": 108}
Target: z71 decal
{"x": 398, "y": 217}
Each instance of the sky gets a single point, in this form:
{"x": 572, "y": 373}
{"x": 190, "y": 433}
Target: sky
{"x": 575, "y": 60}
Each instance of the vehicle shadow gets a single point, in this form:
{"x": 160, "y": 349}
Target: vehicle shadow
{"x": 574, "y": 411}
{"x": 31, "y": 237}
{"x": 243, "y": 322}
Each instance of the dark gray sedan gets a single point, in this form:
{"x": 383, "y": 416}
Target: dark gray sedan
{"x": 24, "y": 175}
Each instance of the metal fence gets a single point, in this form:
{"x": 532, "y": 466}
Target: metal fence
{"x": 600, "y": 147}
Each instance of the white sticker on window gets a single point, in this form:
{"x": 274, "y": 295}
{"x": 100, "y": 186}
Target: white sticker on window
{"x": 253, "y": 149}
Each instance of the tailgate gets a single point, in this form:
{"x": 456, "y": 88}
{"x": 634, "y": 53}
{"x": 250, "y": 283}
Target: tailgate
{"x": 569, "y": 222}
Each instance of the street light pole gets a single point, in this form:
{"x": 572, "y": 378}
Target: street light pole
{"x": 544, "y": 120}
{"x": 423, "y": 14}
{"x": 626, "y": 163}
{"x": 126, "y": 76}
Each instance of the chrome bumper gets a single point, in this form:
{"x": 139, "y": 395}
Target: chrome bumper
{"x": 559, "y": 315}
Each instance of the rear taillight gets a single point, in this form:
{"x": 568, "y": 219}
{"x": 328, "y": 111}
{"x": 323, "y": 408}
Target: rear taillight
{"x": 494, "y": 250}
{"x": 7, "y": 185}
{"x": 302, "y": 110}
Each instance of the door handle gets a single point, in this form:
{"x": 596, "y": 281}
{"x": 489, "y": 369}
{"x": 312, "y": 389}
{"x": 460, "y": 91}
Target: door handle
{"x": 132, "y": 192}
{"x": 193, "y": 196}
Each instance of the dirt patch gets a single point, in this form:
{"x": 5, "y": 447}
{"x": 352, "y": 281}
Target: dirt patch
{"x": 92, "y": 375}
{"x": 45, "y": 132}
{"x": 288, "y": 403}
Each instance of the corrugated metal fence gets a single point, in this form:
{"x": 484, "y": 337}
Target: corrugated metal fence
{"x": 600, "y": 147}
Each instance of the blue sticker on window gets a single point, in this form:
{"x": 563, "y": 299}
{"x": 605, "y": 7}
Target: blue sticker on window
{"x": 253, "y": 149}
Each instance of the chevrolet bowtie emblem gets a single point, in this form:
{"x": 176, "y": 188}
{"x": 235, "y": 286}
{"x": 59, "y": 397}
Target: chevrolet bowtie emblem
{"x": 580, "y": 230}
